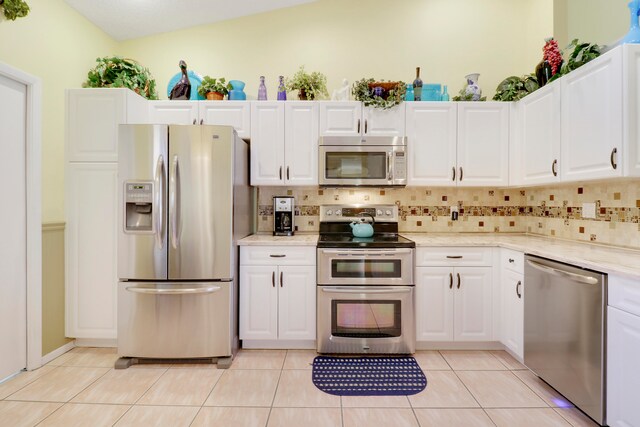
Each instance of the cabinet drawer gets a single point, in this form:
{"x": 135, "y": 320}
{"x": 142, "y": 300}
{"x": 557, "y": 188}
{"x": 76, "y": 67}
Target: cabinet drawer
{"x": 624, "y": 294}
{"x": 277, "y": 255}
{"x": 512, "y": 260}
{"x": 453, "y": 256}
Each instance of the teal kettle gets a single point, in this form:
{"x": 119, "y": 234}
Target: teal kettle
{"x": 361, "y": 228}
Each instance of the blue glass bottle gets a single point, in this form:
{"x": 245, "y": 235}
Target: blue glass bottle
{"x": 408, "y": 96}
{"x": 417, "y": 86}
{"x": 445, "y": 93}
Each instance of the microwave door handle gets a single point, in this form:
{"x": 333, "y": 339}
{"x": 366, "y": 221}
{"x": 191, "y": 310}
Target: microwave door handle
{"x": 389, "y": 167}
{"x": 159, "y": 201}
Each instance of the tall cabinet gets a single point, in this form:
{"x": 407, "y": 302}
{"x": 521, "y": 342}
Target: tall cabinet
{"x": 92, "y": 119}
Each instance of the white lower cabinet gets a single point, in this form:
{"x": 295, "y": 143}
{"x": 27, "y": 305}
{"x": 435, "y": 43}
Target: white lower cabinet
{"x": 277, "y": 301}
{"x": 453, "y": 304}
{"x": 512, "y": 319}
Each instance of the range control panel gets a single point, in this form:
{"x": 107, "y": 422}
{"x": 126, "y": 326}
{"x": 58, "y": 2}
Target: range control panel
{"x": 347, "y": 213}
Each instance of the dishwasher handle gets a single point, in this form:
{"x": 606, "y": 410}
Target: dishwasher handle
{"x": 580, "y": 278}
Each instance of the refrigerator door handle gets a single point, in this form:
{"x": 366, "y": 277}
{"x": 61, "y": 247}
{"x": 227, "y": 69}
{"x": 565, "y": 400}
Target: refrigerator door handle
{"x": 174, "y": 201}
{"x": 173, "y": 291}
{"x": 159, "y": 201}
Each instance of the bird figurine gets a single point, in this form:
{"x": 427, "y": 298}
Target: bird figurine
{"x": 182, "y": 89}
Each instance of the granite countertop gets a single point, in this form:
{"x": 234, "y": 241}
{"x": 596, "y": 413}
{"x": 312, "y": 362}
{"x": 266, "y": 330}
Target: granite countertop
{"x": 607, "y": 259}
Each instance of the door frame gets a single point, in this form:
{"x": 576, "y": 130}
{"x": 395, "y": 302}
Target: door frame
{"x": 34, "y": 210}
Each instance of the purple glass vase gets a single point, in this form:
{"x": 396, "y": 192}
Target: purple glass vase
{"x": 282, "y": 91}
{"x": 262, "y": 90}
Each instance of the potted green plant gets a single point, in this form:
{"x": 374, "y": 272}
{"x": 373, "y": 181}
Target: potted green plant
{"x": 514, "y": 88}
{"x": 309, "y": 86}
{"x": 13, "y": 9}
{"x": 214, "y": 89}
{"x": 122, "y": 72}
{"x": 379, "y": 93}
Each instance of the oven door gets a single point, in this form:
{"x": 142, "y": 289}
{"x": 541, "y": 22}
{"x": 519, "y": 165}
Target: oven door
{"x": 375, "y": 267}
{"x": 366, "y": 319}
{"x": 359, "y": 165}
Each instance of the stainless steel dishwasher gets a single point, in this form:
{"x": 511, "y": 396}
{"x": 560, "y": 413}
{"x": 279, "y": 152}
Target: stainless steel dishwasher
{"x": 564, "y": 331}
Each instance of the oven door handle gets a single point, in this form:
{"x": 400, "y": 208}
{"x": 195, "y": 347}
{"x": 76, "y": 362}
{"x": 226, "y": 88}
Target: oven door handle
{"x": 365, "y": 291}
{"x": 367, "y": 252}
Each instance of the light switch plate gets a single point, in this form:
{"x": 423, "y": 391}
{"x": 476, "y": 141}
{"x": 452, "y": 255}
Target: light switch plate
{"x": 588, "y": 210}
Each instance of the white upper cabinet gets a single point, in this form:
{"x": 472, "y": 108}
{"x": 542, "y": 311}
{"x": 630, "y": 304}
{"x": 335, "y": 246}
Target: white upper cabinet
{"x": 592, "y": 119}
{"x": 227, "y": 113}
{"x": 631, "y": 108}
{"x": 352, "y": 119}
{"x": 93, "y": 116}
{"x": 301, "y": 143}
{"x": 174, "y": 112}
{"x": 536, "y": 144}
{"x": 483, "y": 144}
{"x": 431, "y": 143}
{"x": 267, "y": 143}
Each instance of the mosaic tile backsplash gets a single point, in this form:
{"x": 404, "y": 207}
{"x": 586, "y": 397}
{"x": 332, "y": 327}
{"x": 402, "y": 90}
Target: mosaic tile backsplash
{"x": 551, "y": 211}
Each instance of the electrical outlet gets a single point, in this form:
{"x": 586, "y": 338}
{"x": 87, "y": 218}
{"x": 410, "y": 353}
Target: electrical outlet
{"x": 454, "y": 213}
{"x": 588, "y": 210}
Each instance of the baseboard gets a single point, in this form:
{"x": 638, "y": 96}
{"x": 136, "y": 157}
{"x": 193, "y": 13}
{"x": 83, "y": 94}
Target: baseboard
{"x": 279, "y": 344}
{"x": 468, "y": 345}
{"x": 93, "y": 342}
{"x": 58, "y": 352}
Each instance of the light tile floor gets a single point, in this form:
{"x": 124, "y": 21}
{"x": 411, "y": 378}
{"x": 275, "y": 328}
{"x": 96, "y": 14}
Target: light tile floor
{"x": 273, "y": 388}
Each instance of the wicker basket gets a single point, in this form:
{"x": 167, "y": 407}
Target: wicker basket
{"x": 387, "y": 86}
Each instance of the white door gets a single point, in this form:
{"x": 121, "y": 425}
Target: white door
{"x": 173, "y": 112}
{"x": 297, "y": 303}
{"x": 432, "y": 136}
{"x": 379, "y": 122}
{"x": 483, "y": 144}
{"x": 538, "y": 139}
{"x": 341, "y": 118}
{"x": 301, "y": 143}
{"x": 13, "y": 249}
{"x": 512, "y": 318}
{"x": 434, "y": 303}
{"x": 236, "y": 114}
{"x": 592, "y": 119}
{"x": 472, "y": 318}
{"x": 258, "y": 302}
{"x": 623, "y": 369}
{"x": 267, "y": 143}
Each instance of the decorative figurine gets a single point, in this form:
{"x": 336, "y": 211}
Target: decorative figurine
{"x": 262, "y": 90}
{"x": 182, "y": 89}
{"x": 633, "y": 36}
{"x": 341, "y": 94}
{"x": 282, "y": 90}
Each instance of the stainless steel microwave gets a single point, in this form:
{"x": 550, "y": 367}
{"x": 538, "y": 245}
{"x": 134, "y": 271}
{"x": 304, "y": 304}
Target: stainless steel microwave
{"x": 363, "y": 161}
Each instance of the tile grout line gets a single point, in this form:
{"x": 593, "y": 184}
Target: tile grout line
{"x": 275, "y": 393}
{"x": 30, "y": 382}
{"x": 207, "y": 397}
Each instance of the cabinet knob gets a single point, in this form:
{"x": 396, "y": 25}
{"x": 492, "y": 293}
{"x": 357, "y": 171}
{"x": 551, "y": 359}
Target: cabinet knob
{"x": 511, "y": 260}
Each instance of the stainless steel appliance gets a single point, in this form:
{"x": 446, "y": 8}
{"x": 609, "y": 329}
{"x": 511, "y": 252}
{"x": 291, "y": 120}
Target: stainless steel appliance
{"x": 283, "y": 215}
{"x": 365, "y": 284}
{"x": 564, "y": 331}
{"x": 185, "y": 201}
{"x": 361, "y": 161}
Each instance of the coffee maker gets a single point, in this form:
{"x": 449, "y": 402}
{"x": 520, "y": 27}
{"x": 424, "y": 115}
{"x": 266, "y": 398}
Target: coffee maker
{"x": 283, "y": 211}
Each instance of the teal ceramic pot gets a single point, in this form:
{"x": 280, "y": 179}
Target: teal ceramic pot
{"x": 361, "y": 228}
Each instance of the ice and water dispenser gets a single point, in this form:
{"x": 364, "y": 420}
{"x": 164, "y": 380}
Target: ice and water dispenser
{"x": 138, "y": 199}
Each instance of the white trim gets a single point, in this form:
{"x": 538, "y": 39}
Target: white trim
{"x": 459, "y": 345}
{"x": 279, "y": 344}
{"x": 58, "y": 352}
{"x": 34, "y": 211}
{"x": 96, "y": 342}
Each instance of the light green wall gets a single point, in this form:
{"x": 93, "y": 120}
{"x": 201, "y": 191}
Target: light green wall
{"x": 598, "y": 21}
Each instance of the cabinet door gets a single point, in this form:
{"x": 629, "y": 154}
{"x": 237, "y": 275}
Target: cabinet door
{"x": 301, "y": 143}
{"x": 472, "y": 304}
{"x": 483, "y": 144}
{"x": 232, "y": 113}
{"x": 623, "y": 370}
{"x": 297, "y": 303}
{"x": 379, "y": 122}
{"x": 341, "y": 118}
{"x": 431, "y": 143}
{"x": 93, "y": 116}
{"x": 267, "y": 143}
{"x": 538, "y": 136}
{"x": 91, "y": 250}
{"x": 592, "y": 119}
{"x": 258, "y": 302}
{"x": 173, "y": 112}
{"x": 512, "y": 319}
{"x": 434, "y": 303}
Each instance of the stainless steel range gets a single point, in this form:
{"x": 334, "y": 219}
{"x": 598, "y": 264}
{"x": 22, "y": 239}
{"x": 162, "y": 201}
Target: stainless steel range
{"x": 365, "y": 284}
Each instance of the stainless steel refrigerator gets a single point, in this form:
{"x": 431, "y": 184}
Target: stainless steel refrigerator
{"x": 185, "y": 200}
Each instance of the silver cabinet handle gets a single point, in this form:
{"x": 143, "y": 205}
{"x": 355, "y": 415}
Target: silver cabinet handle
{"x": 194, "y": 121}
{"x": 458, "y": 274}
{"x": 580, "y": 278}
{"x": 173, "y": 291}
{"x": 460, "y": 173}
{"x": 358, "y": 125}
{"x": 273, "y": 279}
{"x": 281, "y": 279}
{"x": 454, "y": 256}
{"x": 280, "y": 172}
{"x": 518, "y": 289}
{"x": 613, "y": 158}
{"x": 368, "y": 290}
{"x": 366, "y": 126}
{"x": 159, "y": 201}
{"x": 287, "y": 173}
{"x": 450, "y": 280}
{"x": 277, "y": 256}
{"x": 453, "y": 175}
{"x": 174, "y": 201}
{"x": 554, "y": 166}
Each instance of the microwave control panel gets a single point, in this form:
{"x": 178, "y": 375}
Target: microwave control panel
{"x": 400, "y": 165}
